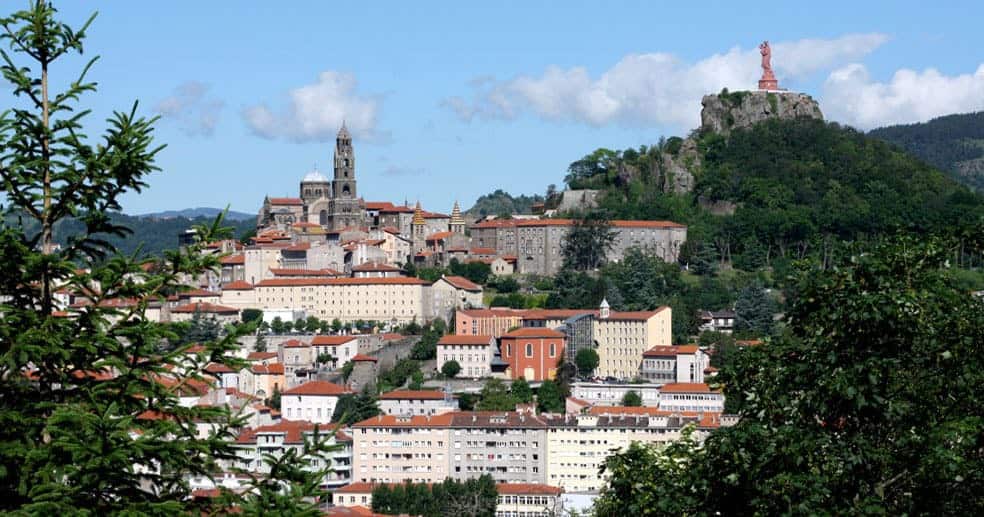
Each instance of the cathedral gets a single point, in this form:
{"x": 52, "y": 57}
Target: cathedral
{"x": 332, "y": 204}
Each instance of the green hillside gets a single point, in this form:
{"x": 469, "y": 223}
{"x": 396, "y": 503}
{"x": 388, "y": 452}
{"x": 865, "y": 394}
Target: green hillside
{"x": 785, "y": 189}
{"x": 954, "y": 143}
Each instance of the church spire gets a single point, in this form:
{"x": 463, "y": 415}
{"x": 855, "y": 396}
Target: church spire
{"x": 418, "y": 215}
{"x": 457, "y": 223}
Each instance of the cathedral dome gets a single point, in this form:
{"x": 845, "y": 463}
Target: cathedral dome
{"x": 314, "y": 177}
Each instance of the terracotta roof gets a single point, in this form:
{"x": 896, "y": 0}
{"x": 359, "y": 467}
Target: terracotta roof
{"x": 534, "y": 332}
{"x": 464, "y": 339}
{"x": 259, "y": 356}
{"x": 560, "y": 314}
{"x": 238, "y": 285}
{"x": 292, "y": 429}
{"x": 461, "y": 282}
{"x": 397, "y": 208}
{"x": 295, "y": 343}
{"x": 237, "y": 259}
{"x": 647, "y": 224}
{"x": 300, "y": 246}
{"x": 332, "y": 340}
{"x": 439, "y": 236}
{"x": 413, "y": 395}
{"x": 507, "y": 419}
{"x": 326, "y": 272}
{"x": 287, "y": 282}
{"x": 374, "y": 266}
{"x": 660, "y": 351}
{"x": 267, "y": 369}
{"x": 527, "y": 489}
{"x": 500, "y": 312}
{"x": 205, "y": 307}
{"x": 687, "y": 387}
{"x": 320, "y": 388}
{"x": 364, "y": 358}
{"x": 290, "y": 201}
{"x": 197, "y": 293}
{"x": 435, "y": 215}
{"x": 358, "y": 487}
{"x": 218, "y": 368}
{"x": 305, "y": 224}
{"x": 378, "y": 205}
{"x": 483, "y": 251}
{"x": 391, "y": 229}
{"x": 442, "y": 420}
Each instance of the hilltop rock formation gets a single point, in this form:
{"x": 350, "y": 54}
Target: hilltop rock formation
{"x": 727, "y": 111}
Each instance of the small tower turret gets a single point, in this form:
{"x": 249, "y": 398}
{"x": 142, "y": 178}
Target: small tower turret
{"x": 457, "y": 223}
{"x": 604, "y": 311}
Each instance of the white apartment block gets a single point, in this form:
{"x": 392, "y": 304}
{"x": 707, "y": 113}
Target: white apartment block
{"x": 473, "y": 354}
{"x": 312, "y": 401}
{"x": 253, "y": 443}
{"x": 394, "y": 449}
{"x": 687, "y": 396}
{"x": 671, "y": 364}
{"x": 417, "y": 402}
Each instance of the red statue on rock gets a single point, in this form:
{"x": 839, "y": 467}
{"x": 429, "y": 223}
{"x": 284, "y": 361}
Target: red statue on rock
{"x": 768, "y": 80}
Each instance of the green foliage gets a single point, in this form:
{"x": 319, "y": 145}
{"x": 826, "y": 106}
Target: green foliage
{"x": 550, "y": 398}
{"x": 500, "y": 202}
{"x": 274, "y": 400}
{"x": 587, "y": 242}
{"x": 355, "y": 408}
{"x": 504, "y": 285}
{"x": 426, "y": 348}
{"x": 631, "y": 398}
{"x": 277, "y": 326}
{"x": 431, "y": 274}
{"x": 251, "y": 315}
{"x": 347, "y": 370}
{"x": 261, "y": 343}
{"x": 76, "y": 392}
{"x": 869, "y": 402}
{"x": 953, "y": 143}
{"x": 495, "y": 396}
{"x": 520, "y": 389}
{"x": 478, "y": 272}
{"x": 416, "y": 380}
{"x": 398, "y": 375}
{"x": 586, "y": 360}
{"x": 451, "y": 369}
{"x": 473, "y": 497}
{"x": 311, "y": 324}
{"x": 201, "y": 329}
{"x": 754, "y": 312}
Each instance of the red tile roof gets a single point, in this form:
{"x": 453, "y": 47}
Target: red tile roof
{"x": 205, "y": 307}
{"x": 687, "y": 387}
{"x": 379, "y": 205}
{"x": 233, "y": 260}
{"x": 326, "y": 272}
{"x": 660, "y": 351}
{"x": 292, "y": 429}
{"x": 289, "y": 201}
{"x": 413, "y": 395}
{"x": 438, "y": 236}
{"x": 397, "y": 208}
{"x": 318, "y": 388}
{"x": 260, "y": 356}
{"x": 364, "y": 358}
{"x": 374, "y": 267}
{"x": 295, "y": 343}
{"x": 647, "y": 224}
{"x": 391, "y": 336}
{"x": 443, "y": 420}
{"x": 483, "y": 251}
{"x": 460, "y": 282}
{"x": 288, "y": 282}
{"x": 305, "y": 224}
{"x": 332, "y": 340}
{"x": 533, "y": 332}
{"x": 463, "y": 339}
{"x": 391, "y": 229}
{"x": 197, "y": 293}
{"x": 435, "y": 215}
{"x": 267, "y": 369}
{"x": 238, "y": 285}
{"x": 527, "y": 489}
{"x": 218, "y": 368}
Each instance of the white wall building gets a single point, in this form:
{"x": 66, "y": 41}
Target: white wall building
{"x": 473, "y": 354}
{"x": 417, "y": 402}
{"x": 313, "y": 401}
{"x": 690, "y": 397}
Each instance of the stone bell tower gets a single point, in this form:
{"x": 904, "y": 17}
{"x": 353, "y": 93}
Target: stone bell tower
{"x": 345, "y": 207}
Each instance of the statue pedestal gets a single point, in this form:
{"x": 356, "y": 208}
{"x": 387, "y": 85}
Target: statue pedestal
{"x": 768, "y": 81}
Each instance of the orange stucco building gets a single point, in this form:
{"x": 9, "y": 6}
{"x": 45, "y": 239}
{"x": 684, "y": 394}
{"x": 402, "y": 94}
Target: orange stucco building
{"x": 532, "y": 353}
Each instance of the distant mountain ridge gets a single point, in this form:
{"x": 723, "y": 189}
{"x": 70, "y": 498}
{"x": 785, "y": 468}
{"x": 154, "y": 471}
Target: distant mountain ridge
{"x": 952, "y": 143}
{"x": 191, "y": 213}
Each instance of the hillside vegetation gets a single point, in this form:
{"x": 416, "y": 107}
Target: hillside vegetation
{"x": 786, "y": 189}
{"x": 954, "y": 143}
{"x": 501, "y": 203}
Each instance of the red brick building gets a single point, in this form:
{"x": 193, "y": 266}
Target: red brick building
{"x": 532, "y": 353}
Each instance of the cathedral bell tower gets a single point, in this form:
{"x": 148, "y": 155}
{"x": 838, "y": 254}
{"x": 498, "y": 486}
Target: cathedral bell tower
{"x": 345, "y": 209}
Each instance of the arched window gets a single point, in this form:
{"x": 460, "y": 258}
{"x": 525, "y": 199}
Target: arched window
{"x": 345, "y": 190}
{"x": 323, "y": 218}
{"x": 529, "y": 349}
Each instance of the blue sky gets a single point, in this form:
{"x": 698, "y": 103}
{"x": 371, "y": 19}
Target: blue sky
{"x": 448, "y": 100}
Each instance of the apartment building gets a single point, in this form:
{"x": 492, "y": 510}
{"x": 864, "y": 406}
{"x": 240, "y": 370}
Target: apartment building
{"x": 312, "y": 401}
{"x": 394, "y": 449}
{"x": 688, "y": 396}
{"x": 507, "y": 445}
{"x": 577, "y": 445}
{"x": 671, "y": 364}
{"x": 399, "y": 300}
{"x": 417, "y": 402}
{"x": 253, "y": 444}
{"x": 515, "y": 499}
{"x": 487, "y": 322}
{"x": 473, "y": 354}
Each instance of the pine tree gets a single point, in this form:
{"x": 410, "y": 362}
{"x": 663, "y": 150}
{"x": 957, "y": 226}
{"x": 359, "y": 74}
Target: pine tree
{"x": 521, "y": 390}
{"x": 754, "y": 312}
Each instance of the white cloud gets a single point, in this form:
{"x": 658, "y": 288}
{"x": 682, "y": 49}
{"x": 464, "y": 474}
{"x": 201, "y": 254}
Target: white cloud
{"x": 316, "y": 111}
{"x": 653, "y": 88}
{"x": 190, "y": 106}
{"x": 850, "y": 95}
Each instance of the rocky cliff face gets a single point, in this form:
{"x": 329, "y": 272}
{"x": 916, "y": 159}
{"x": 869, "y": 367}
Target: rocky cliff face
{"x": 726, "y": 111}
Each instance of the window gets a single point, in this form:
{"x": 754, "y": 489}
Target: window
{"x": 553, "y": 349}
{"x": 529, "y": 349}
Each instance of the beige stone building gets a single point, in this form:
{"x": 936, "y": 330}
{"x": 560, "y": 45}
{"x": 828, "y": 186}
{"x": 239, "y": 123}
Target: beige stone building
{"x": 399, "y": 300}
{"x": 393, "y": 449}
{"x": 450, "y": 293}
{"x": 238, "y": 294}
